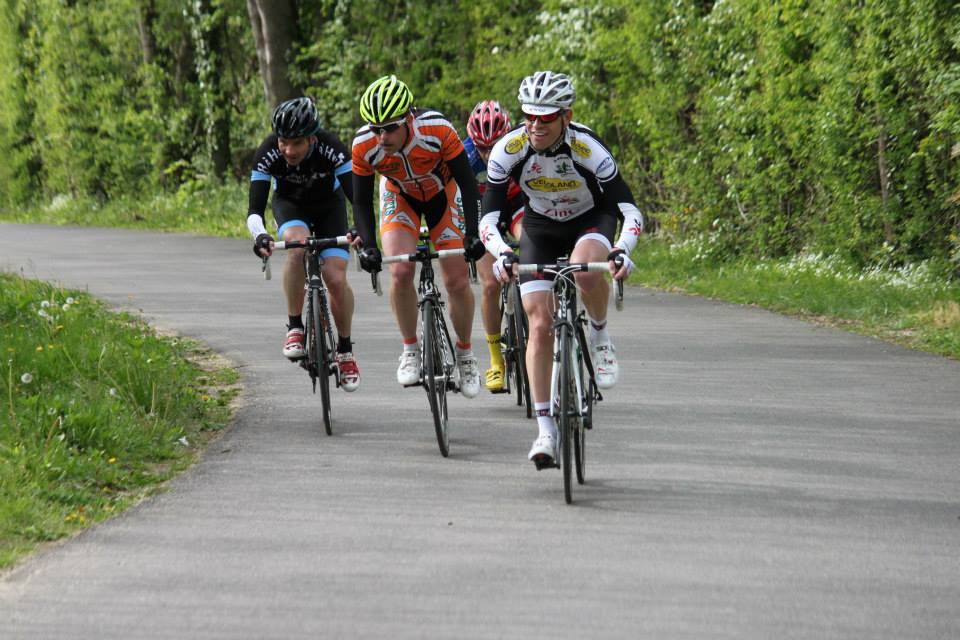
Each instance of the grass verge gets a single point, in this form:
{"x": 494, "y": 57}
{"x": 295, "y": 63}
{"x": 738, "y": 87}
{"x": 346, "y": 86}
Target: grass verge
{"x": 96, "y": 411}
{"x": 913, "y": 306}
{"x": 215, "y": 210}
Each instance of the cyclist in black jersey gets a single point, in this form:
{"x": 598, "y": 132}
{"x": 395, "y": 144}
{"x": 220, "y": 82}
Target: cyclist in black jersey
{"x": 310, "y": 170}
{"x": 574, "y": 197}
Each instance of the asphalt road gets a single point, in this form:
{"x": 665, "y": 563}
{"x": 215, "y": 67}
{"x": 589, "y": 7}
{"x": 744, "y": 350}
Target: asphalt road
{"x": 752, "y": 476}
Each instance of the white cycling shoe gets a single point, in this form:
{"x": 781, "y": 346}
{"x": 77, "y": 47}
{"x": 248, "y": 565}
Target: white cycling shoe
{"x": 408, "y": 372}
{"x": 469, "y": 375}
{"x": 605, "y": 365}
{"x": 544, "y": 452}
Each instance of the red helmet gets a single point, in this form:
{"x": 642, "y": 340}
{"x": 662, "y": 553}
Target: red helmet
{"x": 488, "y": 122}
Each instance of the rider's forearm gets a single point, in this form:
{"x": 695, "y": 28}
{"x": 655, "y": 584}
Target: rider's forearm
{"x": 363, "y": 209}
{"x": 494, "y": 199}
{"x": 618, "y": 192}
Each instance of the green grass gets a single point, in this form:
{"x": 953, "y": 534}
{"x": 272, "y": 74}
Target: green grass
{"x": 914, "y": 306}
{"x": 96, "y": 411}
{"x": 216, "y": 210}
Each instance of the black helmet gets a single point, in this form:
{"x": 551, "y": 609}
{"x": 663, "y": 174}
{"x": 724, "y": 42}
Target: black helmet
{"x": 296, "y": 118}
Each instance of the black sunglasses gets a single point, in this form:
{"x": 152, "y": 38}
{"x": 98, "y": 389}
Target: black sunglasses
{"x": 386, "y": 128}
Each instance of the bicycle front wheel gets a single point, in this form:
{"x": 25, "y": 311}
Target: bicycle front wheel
{"x": 318, "y": 353}
{"x": 435, "y": 371}
{"x": 566, "y": 391}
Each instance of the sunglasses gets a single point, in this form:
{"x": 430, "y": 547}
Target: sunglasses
{"x": 384, "y": 128}
{"x": 545, "y": 119}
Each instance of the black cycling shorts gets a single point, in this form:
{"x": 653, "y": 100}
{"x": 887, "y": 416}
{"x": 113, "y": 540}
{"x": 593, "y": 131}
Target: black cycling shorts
{"x": 544, "y": 239}
{"x": 326, "y": 219}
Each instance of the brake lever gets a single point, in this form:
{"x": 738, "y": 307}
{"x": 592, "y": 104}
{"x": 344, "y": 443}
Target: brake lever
{"x": 267, "y": 273}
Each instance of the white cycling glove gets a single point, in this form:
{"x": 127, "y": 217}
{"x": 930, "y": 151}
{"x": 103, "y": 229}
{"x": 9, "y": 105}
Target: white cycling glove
{"x": 627, "y": 263}
{"x": 503, "y": 266}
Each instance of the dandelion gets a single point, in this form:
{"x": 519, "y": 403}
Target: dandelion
{"x": 43, "y": 314}
{"x": 44, "y": 304}
{"x": 66, "y": 307}
{"x": 51, "y": 411}
{"x": 112, "y": 461}
{"x": 26, "y": 378}
{"x": 39, "y": 348}
{"x": 70, "y": 300}
{"x": 113, "y": 392}
{"x": 183, "y": 440}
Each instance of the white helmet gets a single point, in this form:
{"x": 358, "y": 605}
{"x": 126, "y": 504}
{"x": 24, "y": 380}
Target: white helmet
{"x": 545, "y": 92}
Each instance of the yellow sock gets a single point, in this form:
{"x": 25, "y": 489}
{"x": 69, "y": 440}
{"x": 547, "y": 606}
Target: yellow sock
{"x": 496, "y": 356}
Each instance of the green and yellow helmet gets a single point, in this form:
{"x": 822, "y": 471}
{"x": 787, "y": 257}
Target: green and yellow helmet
{"x": 386, "y": 99}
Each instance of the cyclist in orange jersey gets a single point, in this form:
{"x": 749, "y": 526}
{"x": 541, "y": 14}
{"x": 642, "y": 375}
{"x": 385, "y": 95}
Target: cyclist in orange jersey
{"x": 425, "y": 177}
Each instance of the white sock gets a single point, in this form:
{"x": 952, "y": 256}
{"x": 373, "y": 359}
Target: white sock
{"x": 462, "y": 353}
{"x": 415, "y": 347}
{"x": 598, "y": 332}
{"x": 544, "y": 420}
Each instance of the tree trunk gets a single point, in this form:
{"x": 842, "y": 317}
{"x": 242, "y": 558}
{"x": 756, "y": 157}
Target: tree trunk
{"x": 148, "y": 43}
{"x": 888, "y": 234}
{"x": 274, "y": 24}
{"x": 210, "y": 35}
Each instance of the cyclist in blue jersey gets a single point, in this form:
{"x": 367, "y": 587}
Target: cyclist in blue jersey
{"x": 310, "y": 170}
{"x": 488, "y": 122}
{"x": 574, "y": 197}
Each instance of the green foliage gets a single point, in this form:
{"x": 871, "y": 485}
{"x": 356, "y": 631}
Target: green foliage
{"x": 95, "y": 410}
{"x": 774, "y": 127}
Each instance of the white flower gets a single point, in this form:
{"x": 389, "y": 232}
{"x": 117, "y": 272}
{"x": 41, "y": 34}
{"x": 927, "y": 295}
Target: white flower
{"x": 70, "y": 300}
{"x": 184, "y": 441}
{"x": 45, "y": 304}
{"x": 26, "y": 378}
{"x": 66, "y": 307}
{"x": 113, "y": 392}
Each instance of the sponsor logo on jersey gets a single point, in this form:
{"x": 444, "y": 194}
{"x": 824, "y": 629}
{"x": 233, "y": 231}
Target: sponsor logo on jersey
{"x": 563, "y": 168}
{"x": 391, "y": 166}
{"x": 536, "y": 168}
{"x": 605, "y": 167}
{"x": 581, "y": 148}
{"x": 517, "y": 143}
{"x": 553, "y": 185}
{"x": 448, "y": 235}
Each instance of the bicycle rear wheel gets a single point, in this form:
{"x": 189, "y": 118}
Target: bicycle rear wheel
{"x": 521, "y": 381}
{"x": 435, "y": 371}
{"x": 317, "y": 353}
{"x": 565, "y": 419}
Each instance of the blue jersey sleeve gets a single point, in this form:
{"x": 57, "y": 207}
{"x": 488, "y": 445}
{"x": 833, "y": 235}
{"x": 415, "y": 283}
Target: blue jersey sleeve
{"x": 477, "y": 165}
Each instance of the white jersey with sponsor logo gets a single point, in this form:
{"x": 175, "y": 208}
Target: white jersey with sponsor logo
{"x": 561, "y": 183}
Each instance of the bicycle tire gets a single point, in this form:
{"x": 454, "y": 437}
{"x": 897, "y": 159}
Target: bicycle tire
{"x": 565, "y": 413}
{"x": 434, "y": 373}
{"x": 520, "y": 351}
{"x": 580, "y": 432}
{"x": 318, "y": 356}
{"x": 586, "y": 406}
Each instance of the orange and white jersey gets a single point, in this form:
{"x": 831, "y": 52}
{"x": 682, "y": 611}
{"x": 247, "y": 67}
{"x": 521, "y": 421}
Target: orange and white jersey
{"x": 419, "y": 170}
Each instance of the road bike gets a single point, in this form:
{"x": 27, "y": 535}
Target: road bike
{"x": 573, "y": 385}
{"x": 438, "y": 363}
{"x": 320, "y": 360}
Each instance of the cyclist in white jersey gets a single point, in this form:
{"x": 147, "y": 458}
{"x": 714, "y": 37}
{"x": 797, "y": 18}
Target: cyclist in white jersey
{"x": 574, "y": 197}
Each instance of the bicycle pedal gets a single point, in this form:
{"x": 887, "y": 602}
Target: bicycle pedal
{"x": 543, "y": 461}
